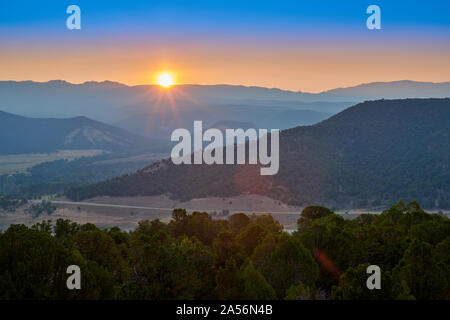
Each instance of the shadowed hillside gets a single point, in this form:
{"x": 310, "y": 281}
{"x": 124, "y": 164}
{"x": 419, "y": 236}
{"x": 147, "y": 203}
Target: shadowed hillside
{"x": 29, "y": 135}
{"x": 368, "y": 155}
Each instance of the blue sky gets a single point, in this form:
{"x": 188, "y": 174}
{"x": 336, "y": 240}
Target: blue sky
{"x": 232, "y": 15}
{"x": 205, "y": 39}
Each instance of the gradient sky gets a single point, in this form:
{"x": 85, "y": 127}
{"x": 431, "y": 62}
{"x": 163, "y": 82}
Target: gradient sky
{"x": 297, "y": 45}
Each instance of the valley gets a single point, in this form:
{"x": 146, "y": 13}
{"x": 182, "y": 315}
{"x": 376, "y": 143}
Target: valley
{"x": 19, "y": 163}
{"x": 126, "y": 212}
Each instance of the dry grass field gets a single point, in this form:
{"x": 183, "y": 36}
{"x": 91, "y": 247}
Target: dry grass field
{"x": 126, "y": 212}
{"x": 18, "y": 163}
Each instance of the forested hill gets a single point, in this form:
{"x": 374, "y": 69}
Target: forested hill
{"x": 369, "y": 155}
{"x": 34, "y": 135}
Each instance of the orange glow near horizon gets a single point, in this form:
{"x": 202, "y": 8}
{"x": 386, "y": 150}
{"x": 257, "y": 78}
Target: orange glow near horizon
{"x": 313, "y": 68}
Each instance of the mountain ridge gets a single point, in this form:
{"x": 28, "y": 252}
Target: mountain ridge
{"x": 106, "y": 83}
{"x": 19, "y": 134}
{"x": 370, "y": 154}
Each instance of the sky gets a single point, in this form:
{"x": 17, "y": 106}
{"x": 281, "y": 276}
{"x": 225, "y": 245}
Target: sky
{"x": 308, "y": 46}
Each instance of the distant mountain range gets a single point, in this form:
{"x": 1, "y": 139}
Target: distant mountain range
{"x": 160, "y": 120}
{"x": 388, "y": 90}
{"x": 369, "y": 155}
{"x": 33, "y": 135}
{"x": 153, "y": 111}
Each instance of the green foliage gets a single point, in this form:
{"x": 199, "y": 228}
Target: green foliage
{"x": 255, "y": 285}
{"x": 9, "y": 204}
{"x": 226, "y": 247}
{"x": 198, "y": 224}
{"x": 314, "y": 212}
{"x": 97, "y": 246}
{"x": 443, "y": 263}
{"x": 245, "y": 257}
{"x": 238, "y": 221}
{"x": 228, "y": 281}
{"x": 43, "y": 226}
{"x": 298, "y": 292}
{"x": 289, "y": 263}
{"x": 202, "y": 261}
{"x": 33, "y": 266}
{"x": 420, "y": 270}
{"x": 353, "y": 286}
{"x": 250, "y": 237}
{"x": 37, "y": 209}
{"x": 55, "y": 177}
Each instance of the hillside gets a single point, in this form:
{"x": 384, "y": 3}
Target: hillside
{"x": 371, "y": 154}
{"x": 31, "y": 135}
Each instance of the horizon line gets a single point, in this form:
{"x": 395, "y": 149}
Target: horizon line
{"x": 223, "y": 84}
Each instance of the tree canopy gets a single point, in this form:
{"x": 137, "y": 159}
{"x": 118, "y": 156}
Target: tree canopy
{"x": 244, "y": 257}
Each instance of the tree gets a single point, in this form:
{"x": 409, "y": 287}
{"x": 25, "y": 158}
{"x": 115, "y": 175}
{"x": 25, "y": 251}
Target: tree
{"x": 420, "y": 270}
{"x": 225, "y": 247}
{"x": 269, "y": 223}
{"x": 44, "y": 226}
{"x": 65, "y": 228}
{"x": 33, "y": 266}
{"x": 198, "y": 224}
{"x": 262, "y": 253}
{"x": 228, "y": 281}
{"x": 311, "y": 213}
{"x": 353, "y": 285}
{"x": 202, "y": 262}
{"x": 298, "y": 292}
{"x": 255, "y": 285}
{"x": 432, "y": 231}
{"x": 161, "y": 271}
{"x": 99, "y": 247}
{"x": 443, "y": 262}
{"x": 238, "y": 222}
{"x": 250, "y": 237}
{"x": 289, "y": 263}
{"x": 332, "y": 244}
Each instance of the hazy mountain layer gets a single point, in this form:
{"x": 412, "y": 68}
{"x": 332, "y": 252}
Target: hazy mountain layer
{"x": 32, "y": 135}
{"x": 154, "y": 111}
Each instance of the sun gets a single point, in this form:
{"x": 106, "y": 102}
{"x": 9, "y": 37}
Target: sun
{"x": 165, "y": 80}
